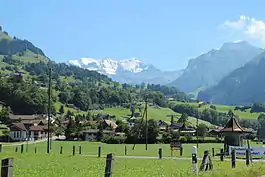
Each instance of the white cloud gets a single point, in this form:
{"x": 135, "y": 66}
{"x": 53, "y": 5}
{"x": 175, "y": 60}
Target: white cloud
{"x": 248, "y": 26}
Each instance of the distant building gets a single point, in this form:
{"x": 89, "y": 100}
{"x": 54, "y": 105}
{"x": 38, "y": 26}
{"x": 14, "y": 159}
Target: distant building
{"x": 32, "y": 127}
{"x": 91, "y": 134}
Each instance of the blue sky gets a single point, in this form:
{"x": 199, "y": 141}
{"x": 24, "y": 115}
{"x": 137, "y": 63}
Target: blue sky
{"x": 164, "y": 33}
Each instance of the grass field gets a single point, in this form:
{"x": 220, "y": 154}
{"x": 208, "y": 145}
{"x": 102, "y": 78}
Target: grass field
{"x": 153, "y": 113}
{"x": 225, "y": 108}
{"x": 41, "y": 164}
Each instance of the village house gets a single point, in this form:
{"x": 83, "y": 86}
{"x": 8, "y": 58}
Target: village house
{"x": 109, "y": 123}
{"x": 131, "y": 122}
{"x": 163, "y": 126}
{"x": 31, "y": 127}
{"x": 18, "y": 132}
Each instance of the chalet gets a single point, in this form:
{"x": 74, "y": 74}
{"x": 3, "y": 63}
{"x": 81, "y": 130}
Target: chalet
{"x": 110, "y": 123}
{"x": 32, "y": 127}
{"x": 18, "y": 132}
{"x": 38, "y": 132}
{"x": 131, "y": 122}
{"x": 162, "y": 125}
{"x": 215, "y": 131}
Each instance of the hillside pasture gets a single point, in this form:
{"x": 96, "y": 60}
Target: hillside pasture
{"x": 225, "y": 108}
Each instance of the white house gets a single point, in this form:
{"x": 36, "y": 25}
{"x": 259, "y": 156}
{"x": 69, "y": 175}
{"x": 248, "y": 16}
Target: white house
{"x": 18, "y": 132}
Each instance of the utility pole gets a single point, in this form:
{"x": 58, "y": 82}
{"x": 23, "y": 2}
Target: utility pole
{"x": 197, "y": 122}
{"x": 49, "y": 111}
{"x": 146, "y": 126}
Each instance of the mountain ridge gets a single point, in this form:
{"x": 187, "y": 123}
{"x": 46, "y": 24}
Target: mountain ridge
{"x": 132, "y": 71}
{"x": 209, "y": 68}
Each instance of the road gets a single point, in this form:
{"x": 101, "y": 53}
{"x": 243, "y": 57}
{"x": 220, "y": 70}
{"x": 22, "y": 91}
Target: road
{"x": 174, "y": 158}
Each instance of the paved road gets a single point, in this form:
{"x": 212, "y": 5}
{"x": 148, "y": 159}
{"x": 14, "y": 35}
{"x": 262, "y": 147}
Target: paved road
{"x": 25, "y": 142}
{"x": 174, "y": 158}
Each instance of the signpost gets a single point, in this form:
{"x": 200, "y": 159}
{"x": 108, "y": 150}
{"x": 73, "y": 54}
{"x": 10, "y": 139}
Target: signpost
{"x": 254, "y": 151}
{"x": 175, "y": 145}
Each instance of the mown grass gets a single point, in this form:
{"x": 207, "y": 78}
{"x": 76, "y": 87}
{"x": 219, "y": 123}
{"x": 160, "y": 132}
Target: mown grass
{"x": 225, "y": 108}
{"x": 30, "y": 164}
{"x": 153, "y": 113}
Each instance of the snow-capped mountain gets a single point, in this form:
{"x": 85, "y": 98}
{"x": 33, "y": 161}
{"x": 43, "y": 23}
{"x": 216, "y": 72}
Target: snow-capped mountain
{"x": 127, "y": 71}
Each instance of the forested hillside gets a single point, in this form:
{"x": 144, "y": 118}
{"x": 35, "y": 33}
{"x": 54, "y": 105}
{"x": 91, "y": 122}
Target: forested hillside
{"x": 24, "y": 83}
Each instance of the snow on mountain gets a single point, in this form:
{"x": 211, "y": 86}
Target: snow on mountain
{"x": 131, "y": 71}
{"x": 109, "y": 66}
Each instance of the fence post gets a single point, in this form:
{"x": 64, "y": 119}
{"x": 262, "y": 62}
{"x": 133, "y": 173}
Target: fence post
{"x": 233, "y": 158}
{"x": 194, "y": 160}
{"x": 61, "y": 150}
{"x": 109, "y": 165}
{"x": 125, "y": 150}
{"x": 99, "y": 151}
{"x": 80, "y": 150}
{"x": 222, "y": 154}
{"x": 22, "y": 148}
{"x": 7, "y": 167}
{"x": 247, "y": 157}
{"x": 35, "y": 150}
{"x": 73, "y": 150}
{"x": 181, "y": 151}
{"x": 160, "y": 153}
{"x": 206, "y": 162}
{"x": 0, "y": 147}
{"x": 213, "y": 152}
{"x": 16, "y": 149}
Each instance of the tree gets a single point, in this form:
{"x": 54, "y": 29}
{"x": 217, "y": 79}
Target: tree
{"x": 100, "y": 132}
{"x": 4, "y": 115}
{"x": 258, "y": 107}
{"x": 132, "y": 109}
{"x": 202, "y": 130}
{"x": 230, "y": 113}
{"x": 70, "y": 129}
{"x": 183, "y": 119}
{"x": 61, "y": 110}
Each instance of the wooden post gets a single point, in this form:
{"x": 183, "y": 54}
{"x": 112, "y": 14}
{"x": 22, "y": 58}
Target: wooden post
{"x": 222, "y": 154}
{"x": 213, "y": 152}
{"x": 233, "y": 158}
{"x": 35, "y": 150}
{"x": 16, "y": 149}
{"x": 194, "y": 160}
{"x": 247, "y": 157}
{"x": 160, "y": 153}
{"x": 181, "y": 151}
{"x": 0, "y": 147}
{"x": 109, "y": 165}
{"x": 22, "y": 148}
{"x": 206, "y": 162}
{"x": 80, "y": 150}
{"x": 125, "y": 150}
{"x": 99, "y": 151}
{"x": 61, "y": 150}
{"x": 7, "y": 167}
{"x": 73, "y": 150}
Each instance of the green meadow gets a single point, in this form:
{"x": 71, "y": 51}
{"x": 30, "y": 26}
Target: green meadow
{"x": 31, "y": 164}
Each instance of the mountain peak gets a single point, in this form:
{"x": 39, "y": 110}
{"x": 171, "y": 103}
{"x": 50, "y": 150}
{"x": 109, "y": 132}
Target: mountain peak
{"x": 110, "y": 66}
{"x": 236, "y": 45}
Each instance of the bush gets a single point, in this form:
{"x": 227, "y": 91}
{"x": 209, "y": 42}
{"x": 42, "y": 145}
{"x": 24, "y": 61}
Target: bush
{"x": 213, "y": 107}
{"x": 183, "y": 139}
{"x": 110, "y": 139}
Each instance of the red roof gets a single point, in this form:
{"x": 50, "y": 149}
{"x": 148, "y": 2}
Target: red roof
{"x": 18, "y": 126}
{"x": 36, "y": 128}
{"x": 232, "y": 126}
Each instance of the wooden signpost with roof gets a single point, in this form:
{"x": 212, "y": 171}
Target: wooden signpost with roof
{"x": 233, "y": 134}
